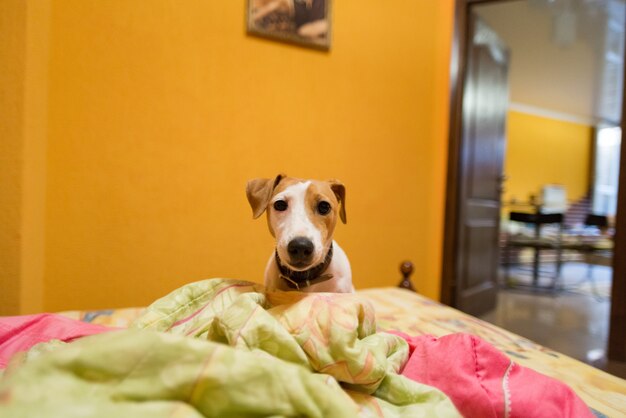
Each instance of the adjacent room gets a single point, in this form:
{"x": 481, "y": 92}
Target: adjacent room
{"x": 560, "y": 169}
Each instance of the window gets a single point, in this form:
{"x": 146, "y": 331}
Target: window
{"x": 607, "y": 145}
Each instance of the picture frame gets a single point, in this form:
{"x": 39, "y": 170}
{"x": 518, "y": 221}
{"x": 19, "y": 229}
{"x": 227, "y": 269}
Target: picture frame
{"x": 303, "y": 22}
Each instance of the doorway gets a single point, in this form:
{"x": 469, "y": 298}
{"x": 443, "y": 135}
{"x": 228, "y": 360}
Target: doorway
{"x": 459, "y": 283}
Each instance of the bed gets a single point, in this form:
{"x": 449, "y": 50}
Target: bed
{"x": 406, "y": 311}
{"x": 411, "y": 313}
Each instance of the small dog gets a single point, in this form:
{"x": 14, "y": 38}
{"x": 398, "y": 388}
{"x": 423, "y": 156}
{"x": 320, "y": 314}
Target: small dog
{"x": 301, "y": 215}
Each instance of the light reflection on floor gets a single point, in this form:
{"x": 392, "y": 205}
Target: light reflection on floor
{"x": 572, "y": 322}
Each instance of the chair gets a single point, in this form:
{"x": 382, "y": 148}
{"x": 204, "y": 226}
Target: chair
{"x": 599, "y": 253}
{"x": 601, "y": 221}
{"x": 595, "y": 249}
{"x": 538, "y": 242}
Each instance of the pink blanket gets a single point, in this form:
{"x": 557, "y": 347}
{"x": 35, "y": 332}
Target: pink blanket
{"x": 484, "y": 383}
{"x": 20, "y": 333}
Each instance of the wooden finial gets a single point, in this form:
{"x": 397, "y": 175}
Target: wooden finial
{"x": 406, "y": 268}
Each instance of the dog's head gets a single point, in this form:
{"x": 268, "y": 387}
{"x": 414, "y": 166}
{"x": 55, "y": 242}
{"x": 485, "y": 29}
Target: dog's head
{"x": 301, "y": 215}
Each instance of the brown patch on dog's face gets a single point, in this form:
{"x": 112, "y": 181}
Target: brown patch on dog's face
{"x": 319, "y": 198}
{"x": 259, "y": 192}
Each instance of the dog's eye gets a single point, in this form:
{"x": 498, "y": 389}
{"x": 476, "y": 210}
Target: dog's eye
{"x": 323, "y": 208}
{"x": 280, "y": 205}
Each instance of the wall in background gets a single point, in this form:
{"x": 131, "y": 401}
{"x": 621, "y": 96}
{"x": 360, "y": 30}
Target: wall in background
{"x": 543, "y": 150}
{"x": 542, "y": 73}
{"x": 12, "y": 56}
{"x": 158, "y": 112}
{"x": 24, "y": 42}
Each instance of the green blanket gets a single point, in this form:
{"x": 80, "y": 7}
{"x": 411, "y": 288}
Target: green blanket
{"x": 220, "y": 348}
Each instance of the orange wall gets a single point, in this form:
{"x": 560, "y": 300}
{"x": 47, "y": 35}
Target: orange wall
{"x": 543, "y": 150}
{"x": 12, "y": 57}
{"x": 24, "y": 44}
{"x": 159, "y": 111}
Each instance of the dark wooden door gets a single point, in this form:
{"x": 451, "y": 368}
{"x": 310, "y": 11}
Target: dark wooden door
{"x": 485, "y": 105}
{"x": 451, "y": 287}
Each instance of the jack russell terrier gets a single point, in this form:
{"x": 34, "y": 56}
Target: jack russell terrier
{"x": 301, "y": 215}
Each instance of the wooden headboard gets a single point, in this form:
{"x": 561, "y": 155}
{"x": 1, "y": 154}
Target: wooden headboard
{"x": 406, "y": 268}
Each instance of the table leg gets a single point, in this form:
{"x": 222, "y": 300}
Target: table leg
{"x": 536, "y": 268}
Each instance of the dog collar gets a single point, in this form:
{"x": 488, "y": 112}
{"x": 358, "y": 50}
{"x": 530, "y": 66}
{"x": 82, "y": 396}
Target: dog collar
{"x": 301, "y": 279}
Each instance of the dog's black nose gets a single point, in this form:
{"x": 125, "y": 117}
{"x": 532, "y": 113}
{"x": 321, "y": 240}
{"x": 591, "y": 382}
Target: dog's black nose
{"x": 300, "y": 250}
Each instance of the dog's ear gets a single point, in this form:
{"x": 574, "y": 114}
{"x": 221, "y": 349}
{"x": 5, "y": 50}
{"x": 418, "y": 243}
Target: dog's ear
{"x": 259, "y": 193}
{"x": 340, "y": 191}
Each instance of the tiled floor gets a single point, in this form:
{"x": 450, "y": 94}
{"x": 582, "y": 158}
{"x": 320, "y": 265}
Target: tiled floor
{"x": 574, "y": 322}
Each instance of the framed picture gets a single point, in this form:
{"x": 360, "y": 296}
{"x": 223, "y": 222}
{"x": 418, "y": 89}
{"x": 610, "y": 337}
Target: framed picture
{"x": 304, "y": 22}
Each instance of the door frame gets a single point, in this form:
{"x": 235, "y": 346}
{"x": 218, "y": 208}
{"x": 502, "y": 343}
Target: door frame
{"x": 451, "y": 246}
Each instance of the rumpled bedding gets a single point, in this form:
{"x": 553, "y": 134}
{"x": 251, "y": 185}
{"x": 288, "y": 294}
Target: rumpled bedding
{"x": 220, "y": 348}
{"x": 484, "y": 383}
